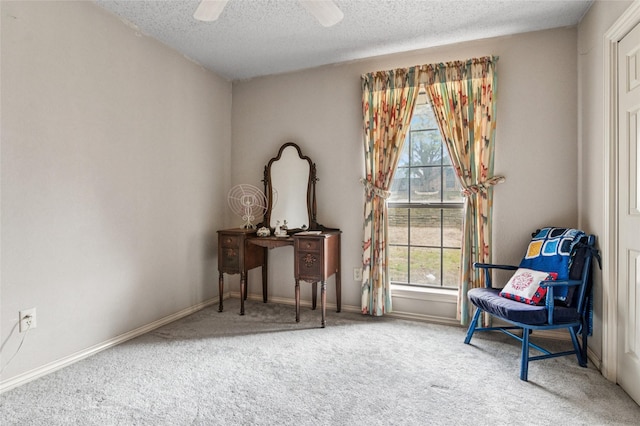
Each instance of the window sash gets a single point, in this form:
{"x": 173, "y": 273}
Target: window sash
{"x": 436, "y": 269}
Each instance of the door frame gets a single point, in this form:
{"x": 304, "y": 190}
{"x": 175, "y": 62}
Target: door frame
{"x": 625, "y": 23}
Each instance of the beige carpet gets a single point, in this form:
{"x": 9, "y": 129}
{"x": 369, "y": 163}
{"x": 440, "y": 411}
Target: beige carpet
{"x": 262, "y": 368}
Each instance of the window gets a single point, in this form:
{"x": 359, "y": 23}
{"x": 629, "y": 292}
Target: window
{"x": 425, "y": 208}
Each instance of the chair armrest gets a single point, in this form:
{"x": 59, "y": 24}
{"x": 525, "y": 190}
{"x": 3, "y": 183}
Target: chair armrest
{"x": 489, "y": 266}
{"x": 552, "y": 283}
{"x": 492, "y": 266}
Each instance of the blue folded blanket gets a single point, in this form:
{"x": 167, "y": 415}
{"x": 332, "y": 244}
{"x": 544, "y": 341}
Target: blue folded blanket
{"x": 551, "y": 250}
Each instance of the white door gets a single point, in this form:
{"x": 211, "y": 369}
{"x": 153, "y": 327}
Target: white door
{"x": 628, "y": 368}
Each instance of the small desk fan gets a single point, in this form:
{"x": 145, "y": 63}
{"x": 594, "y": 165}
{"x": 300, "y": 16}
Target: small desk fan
{"x": 248, "y": 202}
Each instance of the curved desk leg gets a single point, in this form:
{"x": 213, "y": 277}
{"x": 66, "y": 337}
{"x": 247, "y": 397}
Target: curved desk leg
{"x": 297, "y": 300}
{"x": 243, "y": 290}
{"x": 264, "y": 276}
{"x": 338, "y": 291}
{"x": 314, "y": 295}
{"x": 246, "y": 285}
{"x": 220, "y": 291}
{"x": 323, "y": 300}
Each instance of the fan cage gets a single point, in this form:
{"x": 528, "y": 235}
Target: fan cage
{"x": 248, "y": 202}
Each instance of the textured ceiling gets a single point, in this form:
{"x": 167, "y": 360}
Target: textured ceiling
{"x": 261, "y": 37}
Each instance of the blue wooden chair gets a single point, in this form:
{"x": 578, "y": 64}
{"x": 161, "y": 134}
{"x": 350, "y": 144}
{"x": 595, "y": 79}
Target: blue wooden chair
{"x": 567, "y": 302}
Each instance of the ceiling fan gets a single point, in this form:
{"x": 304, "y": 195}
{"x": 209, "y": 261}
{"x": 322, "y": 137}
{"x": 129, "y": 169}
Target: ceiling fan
{"x": 325, "y": 11}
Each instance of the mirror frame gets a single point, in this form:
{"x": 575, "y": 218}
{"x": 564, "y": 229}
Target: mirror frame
{"x": 311, "y": 190}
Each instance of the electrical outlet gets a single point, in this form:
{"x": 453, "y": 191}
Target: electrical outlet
{"x": 27, "y": 319}
{"x": 357, "y": 274}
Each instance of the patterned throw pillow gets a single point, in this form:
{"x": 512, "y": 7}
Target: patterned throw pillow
{"x": 524, "y": 286}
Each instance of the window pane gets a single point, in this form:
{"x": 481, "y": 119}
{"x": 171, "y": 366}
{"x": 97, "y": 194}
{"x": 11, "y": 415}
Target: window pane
{"x": 423, "y": 117}
{"x": 451, "y": 267}
{"x": 399, "y": 264}
{"x": 426, "y": 148}
{"x": 452, "y": 227}
{"x": 400, "y": 186}
{"x": 446, "y": 160}
{"x": 452, "y": 187}
{"x": 425, "y": 227}
{"x": 398, "y": 226}
{"x": 425, "y": 266}
{"x": 425, "y": 184}
{"x": 403, "y": 161}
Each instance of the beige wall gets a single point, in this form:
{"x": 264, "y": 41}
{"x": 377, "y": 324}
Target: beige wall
{"x": 115, "y": 166}
{"x": 591, "y": 30}
{"x": 536, "y": 145}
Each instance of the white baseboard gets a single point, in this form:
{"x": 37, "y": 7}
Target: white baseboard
{"x": 289, "y": 301}
{"x": 423, "y": 317}
{"x": 595, "y": 359}
{"x": 85, "y": 353}
{"x": 558, "y": 334}
{"x": 352, "y": 308}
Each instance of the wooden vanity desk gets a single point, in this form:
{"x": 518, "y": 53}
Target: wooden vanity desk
{"x": 290, "y": 190}
{"x": 316, "y": 258}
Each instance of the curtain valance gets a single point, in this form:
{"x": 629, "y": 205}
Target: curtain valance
{"x": 456, "y": 70}
{"x": 429, "y": 74}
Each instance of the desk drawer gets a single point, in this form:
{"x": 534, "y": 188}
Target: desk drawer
{"x": 231, "y": 241}
{"x": 229, "y": 260}
{"x": 310, "y": 244}
{"x": 309, "y": 266}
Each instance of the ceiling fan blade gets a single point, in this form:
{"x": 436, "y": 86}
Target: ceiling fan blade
{"x": 325, "y": 11}
{"x": 209, "y": 10}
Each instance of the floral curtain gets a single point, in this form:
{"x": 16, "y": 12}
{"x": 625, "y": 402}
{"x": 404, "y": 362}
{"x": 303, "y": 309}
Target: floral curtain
{"x": 463, "y": 96}
{"x": 388, "y": 98}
